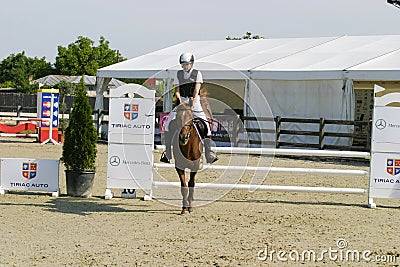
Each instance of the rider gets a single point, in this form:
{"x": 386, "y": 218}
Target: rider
{"x": 187, "y": 83}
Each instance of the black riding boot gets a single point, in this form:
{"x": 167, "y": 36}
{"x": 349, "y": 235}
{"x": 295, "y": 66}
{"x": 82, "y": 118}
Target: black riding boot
{"x": 211, "y": 156}
{"x": 167, "y": 155}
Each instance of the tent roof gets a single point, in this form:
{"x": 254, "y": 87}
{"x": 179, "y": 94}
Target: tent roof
{"x": 356, "y": 57}
{"x": 53, "y": 80}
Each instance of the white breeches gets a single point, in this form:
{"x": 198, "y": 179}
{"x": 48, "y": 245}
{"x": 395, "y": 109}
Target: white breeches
{"x": 197, "y": 112}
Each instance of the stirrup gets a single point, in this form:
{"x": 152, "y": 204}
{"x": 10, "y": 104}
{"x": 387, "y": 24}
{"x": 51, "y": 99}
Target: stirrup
{"x": 211, "y": 158}
{"x": 164, "y": 158}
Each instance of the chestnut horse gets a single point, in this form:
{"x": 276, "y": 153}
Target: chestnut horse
{"x": 187, "y": 150}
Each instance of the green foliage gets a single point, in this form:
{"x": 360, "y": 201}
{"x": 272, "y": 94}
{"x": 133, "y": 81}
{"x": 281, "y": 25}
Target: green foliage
{"x": 7, "y": 84}
{"x": 28, "y": 132}
{"x": 80, "y": 145}
{"x": 83, "y": 57}
{"x": 63, "y": 107}
{"x": 62, "y": 124}
{"x": 17, "y": 70}
{"x": 79, "y": 58}
{"x": 65, "y": 88}
{"x": 248, "y": 35}
{"x": 160, "y": 89}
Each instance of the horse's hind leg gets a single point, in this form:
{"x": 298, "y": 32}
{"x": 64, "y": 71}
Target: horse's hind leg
{"x": 191, "y": 191}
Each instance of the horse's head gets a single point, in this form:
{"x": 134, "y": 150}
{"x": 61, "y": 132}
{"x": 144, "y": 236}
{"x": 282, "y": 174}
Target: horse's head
{"x": 184, "y": 117}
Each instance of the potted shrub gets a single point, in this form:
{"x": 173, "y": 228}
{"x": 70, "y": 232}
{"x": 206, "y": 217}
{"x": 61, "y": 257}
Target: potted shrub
{"x": 80, "y": 147}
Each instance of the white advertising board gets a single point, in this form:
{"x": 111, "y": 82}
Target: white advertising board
{"x": 131, "y": 120}
{"x": 130, "y": 140}
{"x": 29, "y": 174}
{"x": 385, "y": 175}
{"x": 386, "y": 125}
{"x": 130, "y": 166}
{"x": 385, "y": 145}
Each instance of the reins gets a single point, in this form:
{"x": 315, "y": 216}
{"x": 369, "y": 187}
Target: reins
{"x": 191, "y": 124}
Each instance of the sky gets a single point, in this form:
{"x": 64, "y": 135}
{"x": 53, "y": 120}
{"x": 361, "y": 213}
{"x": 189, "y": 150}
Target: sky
{"x": 135, "y": 28}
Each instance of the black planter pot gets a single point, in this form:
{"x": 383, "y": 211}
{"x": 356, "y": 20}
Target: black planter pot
{"x": 79, "y": 183}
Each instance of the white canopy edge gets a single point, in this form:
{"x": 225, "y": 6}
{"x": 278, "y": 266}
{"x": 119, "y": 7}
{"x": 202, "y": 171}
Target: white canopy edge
{"x": 355, "y": 57}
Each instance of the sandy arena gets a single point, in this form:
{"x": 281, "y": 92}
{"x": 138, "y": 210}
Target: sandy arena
{"x": 241, "y": 229}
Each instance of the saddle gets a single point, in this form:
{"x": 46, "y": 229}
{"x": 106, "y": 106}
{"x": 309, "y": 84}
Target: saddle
{"x": 201, "y": 127}
{"x": 199, "y": 123}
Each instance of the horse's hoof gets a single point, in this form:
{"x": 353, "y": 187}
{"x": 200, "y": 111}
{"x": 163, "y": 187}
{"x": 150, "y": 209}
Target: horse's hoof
{"x": 184, "y": 211}
{"x": 191, "y": 209}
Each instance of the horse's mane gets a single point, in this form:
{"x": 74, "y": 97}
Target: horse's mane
{"x": 182, "y": 106}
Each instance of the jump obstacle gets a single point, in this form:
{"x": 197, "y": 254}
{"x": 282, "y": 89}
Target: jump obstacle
{"x": 15, "y": 130}
{"x": 47, "y": 113}
{"x": 268, "y": 151}
{"x": 287, "y": 152}
{"x": 117, "y": 150}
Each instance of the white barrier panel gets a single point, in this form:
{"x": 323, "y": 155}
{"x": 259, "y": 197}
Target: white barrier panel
{"x": 297, "y": 152}
{"x": 29, "y": 175}
{"x": 131, "y": 121}
{"x": 272, "y": 169}
{"x": 293, "y": 152}
{"x": 19, "y": 135}
{"x": 288, "y": 152}
{"x": 385, "y": 181}
{"x": 130, "y": 140}
{"x": 129, "y": 166}
{"x": 269, "y": 188}
{"x": 385, "y": 145}
{"x": 23, "y": 119}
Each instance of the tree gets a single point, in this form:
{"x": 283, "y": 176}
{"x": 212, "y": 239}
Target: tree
{"x": 84, "y": 58}
{"x": 39, "y": 68}
{"x": 17, "y": 70}
{"x": 79, "y": 149}
{"x": 65, "y": 88}
{"x": 248, "y": 35}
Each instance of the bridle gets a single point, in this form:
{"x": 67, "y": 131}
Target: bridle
{"x": 184, "y": 139}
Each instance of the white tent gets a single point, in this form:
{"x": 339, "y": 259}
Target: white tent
{"x": 299, "y": 77}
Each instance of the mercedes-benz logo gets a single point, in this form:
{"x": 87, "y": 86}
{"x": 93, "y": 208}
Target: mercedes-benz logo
{"x": 114, "y": 160}
{"x": 380, "y": 124}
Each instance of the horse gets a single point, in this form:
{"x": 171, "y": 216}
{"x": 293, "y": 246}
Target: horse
{"x": 187, "y": 151}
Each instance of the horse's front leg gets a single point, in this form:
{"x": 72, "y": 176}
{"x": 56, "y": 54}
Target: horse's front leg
{"x": 184, "y": 191}
{"x": 191, "y": 190}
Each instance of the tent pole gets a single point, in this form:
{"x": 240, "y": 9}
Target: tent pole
{"x": 101, "y": 87}
{"x": 167, "y": 95}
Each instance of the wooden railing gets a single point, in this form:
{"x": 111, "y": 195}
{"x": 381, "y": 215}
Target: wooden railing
{"x": 361, "y": 141}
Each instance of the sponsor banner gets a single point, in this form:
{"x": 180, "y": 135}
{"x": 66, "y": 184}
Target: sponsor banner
{"x": 224, "y": 127}
{"x": 131, "y": 139}
{"x": 29, "y": 174}
{"x": 130, "y": 166}
{"x": 131, "y": 116}
{"x": 385, "y": 146}
{"x": 385, "y": 175}
{"x": 386, "y": 125}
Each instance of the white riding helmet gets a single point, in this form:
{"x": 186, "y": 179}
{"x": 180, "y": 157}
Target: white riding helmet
{"x": 187, "y": 58}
